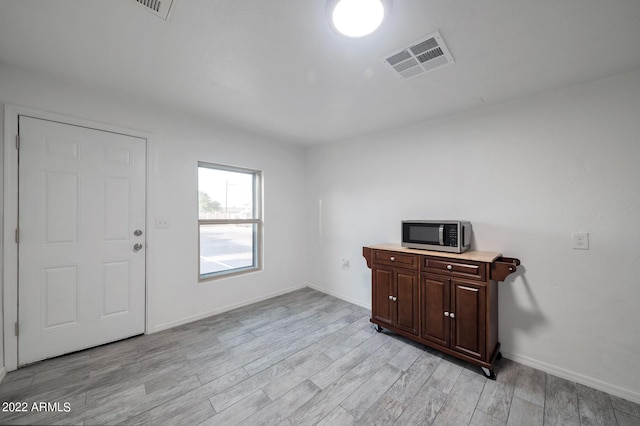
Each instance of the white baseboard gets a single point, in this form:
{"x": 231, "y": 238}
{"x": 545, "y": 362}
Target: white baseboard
{"x": 3, "y": 373}
{"x": 339, "y": 296}
{"x": 227, "y": 308}
{"x": 543, "y": 366}
{"x": 540, "y": 365}
{"x": 575, "y": 377}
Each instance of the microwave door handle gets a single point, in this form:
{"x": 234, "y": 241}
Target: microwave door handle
{"x": 441, "y": 234}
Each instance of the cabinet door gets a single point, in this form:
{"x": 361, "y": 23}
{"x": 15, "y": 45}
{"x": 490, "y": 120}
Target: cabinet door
{"x": 435, "y": 299}
{"x": 382, "y": 308}
{"x": 469, "y": 324}
{"x": 407, "y": 300}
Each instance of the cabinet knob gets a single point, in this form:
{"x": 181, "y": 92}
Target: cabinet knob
{"x": 393, "y": 258}
{"x": 390, "y": 297}
{"x": 452, "y": 315}
{"x": 446, "y": 314}
{"x": 395, "y": 298}
{"x": 449, "y": 267}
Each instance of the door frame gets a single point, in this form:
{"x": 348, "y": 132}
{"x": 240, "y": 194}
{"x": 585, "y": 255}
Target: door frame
{"x": 10, "y": 220}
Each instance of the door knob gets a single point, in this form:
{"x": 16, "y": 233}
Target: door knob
{"x": 137, "y": 247}
{"x": 137, "y": 232}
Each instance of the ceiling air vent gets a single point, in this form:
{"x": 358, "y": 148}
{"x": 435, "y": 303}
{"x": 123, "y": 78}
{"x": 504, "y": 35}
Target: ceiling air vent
{"x": 420, "y": 57}
{"x": 160, "y": 8}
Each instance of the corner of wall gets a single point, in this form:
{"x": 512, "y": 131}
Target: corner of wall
{"x": 338, "y": 295}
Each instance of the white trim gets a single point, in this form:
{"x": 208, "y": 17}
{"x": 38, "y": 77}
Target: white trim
{"x": 150, "y": 239}
{"x": 339, "y": 296}
{"x": 227, "y": 308}
{"x": 574, "y": 377}
{"x": 543, "y": 366}
{"x": 10, "y": 250}
{"x": 256, "y": 219}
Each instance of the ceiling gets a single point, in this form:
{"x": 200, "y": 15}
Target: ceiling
{"x": 276, "y": 67}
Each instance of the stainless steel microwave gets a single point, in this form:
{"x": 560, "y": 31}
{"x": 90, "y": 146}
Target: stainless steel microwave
{"x": 452, "y": 236}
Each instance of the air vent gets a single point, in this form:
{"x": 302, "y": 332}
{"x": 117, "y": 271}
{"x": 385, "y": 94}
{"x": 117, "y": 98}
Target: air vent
{"x": 419, "y": 57}
{"x": 160, "y": 8}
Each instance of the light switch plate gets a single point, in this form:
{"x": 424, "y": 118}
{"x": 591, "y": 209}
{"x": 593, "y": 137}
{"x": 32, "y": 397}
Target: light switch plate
{"x": 580, "y": 240}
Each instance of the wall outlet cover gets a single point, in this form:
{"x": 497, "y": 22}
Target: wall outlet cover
{"x": 580, "y": 240}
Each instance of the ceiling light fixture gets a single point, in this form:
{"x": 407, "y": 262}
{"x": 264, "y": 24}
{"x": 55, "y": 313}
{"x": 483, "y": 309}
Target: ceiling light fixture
{"x": 357, "y": 18}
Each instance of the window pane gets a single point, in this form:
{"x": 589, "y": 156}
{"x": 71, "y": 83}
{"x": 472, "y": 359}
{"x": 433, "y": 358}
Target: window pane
{"x": 226, "y": 247}
{"x": 229, "y": 220}
{"x": 224, "y": 194}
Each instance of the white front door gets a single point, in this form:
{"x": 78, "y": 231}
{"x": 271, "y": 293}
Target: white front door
{"x": 81, "y": 214}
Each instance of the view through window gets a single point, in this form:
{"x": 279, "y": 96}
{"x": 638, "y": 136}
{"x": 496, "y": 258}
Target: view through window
{"x": 229, "y": 204}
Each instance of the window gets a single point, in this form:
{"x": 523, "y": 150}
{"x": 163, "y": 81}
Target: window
{"x": 229, "y": 220}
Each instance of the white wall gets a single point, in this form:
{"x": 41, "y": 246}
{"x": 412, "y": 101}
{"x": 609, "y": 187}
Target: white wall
{"x": 526, "y": 174}
{"x": 179, "y": 142}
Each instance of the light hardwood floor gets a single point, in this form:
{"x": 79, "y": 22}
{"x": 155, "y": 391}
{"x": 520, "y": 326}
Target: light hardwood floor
{"x": 304, "y": 358}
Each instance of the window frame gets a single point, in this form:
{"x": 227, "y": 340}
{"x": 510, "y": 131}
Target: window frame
{"x": 256, "y": 221}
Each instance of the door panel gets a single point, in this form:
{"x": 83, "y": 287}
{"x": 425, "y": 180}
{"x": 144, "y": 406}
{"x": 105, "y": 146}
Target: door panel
{"x": 81, "y": 196}
{"x": 60, "y": 209}
{"x": 116, "y": 286}
{"x": 60, "y": 296}
{"x": 435, "y": 293}
{"x": 117, "y": 208}
{"x": 469, "y": 301}
{"x": 382, "y": 309}
{"x": 407, "y": 301}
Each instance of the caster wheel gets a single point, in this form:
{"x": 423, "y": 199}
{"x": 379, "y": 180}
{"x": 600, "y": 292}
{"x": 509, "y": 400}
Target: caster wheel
{"x": 378, "y": 329}
{"x": 489, "y": 374}
{"x": 499, "y": 356}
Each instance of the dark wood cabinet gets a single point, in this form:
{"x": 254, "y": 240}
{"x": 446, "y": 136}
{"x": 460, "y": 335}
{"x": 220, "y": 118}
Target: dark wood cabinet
{"x": 395, "y": 297}
{"x": 444, "y": 300}
{"x": 435, "y": 301}
{"x": 454, "y": 314}
{"x": 468, "y": 318}
{"x": 406, "y": 301}
{"x": 382, "y": 288}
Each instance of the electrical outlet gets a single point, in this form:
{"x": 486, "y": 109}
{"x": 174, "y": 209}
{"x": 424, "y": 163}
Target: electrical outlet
{"x": 580, "y": 240}
{"x": 162, "y": 222}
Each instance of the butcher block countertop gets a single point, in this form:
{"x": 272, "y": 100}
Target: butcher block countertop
{"x": 478, "y": 256}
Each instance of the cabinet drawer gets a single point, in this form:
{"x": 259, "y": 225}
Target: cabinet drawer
{"x": 455, "y": 268}
{"x": 400, "y": 260}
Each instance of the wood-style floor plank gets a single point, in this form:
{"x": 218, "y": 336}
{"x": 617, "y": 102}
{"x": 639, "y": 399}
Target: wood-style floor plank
{"x": 303, "y": 358}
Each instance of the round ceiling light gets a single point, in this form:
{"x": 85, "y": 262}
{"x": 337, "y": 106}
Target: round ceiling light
{"x": 357, "y": 18}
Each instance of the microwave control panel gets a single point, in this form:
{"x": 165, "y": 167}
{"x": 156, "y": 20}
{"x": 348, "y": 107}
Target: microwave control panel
{"x": 451, "y": 235}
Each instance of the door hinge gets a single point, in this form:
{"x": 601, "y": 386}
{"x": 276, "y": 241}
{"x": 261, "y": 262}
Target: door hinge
{"x": 17, "y": 236}
{"x": 17, "y": 329}
{"x": 18, "y": 142}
